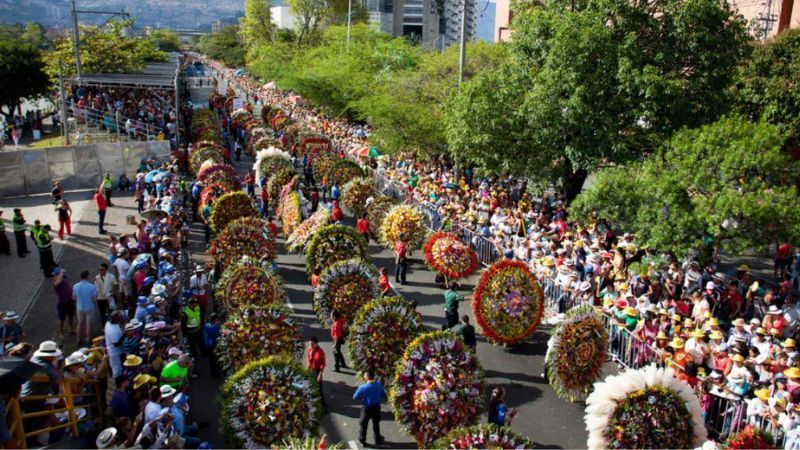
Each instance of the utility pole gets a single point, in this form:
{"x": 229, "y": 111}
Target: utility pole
{"x": 349, "y": 20}
{"x": 76, "y": 41}
{"x": 462, "y": 50}
{"x": 64, "y": 129}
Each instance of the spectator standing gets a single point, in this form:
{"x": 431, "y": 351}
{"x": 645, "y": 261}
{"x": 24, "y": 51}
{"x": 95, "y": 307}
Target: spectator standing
{"x": 122, "y": 265}
{"x": 371, "y": 394}
{"x": 100, "y": 203}
{"x": 64, "y": 211}
{"x": 85, "y": 295}
{"x": 65, "y": 306}
{"x": 106, "y": 284}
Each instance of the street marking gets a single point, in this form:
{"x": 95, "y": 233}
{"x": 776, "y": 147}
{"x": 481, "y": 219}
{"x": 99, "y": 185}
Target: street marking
{"x": 289, "y": 302}
{"x": 352, "y": 445}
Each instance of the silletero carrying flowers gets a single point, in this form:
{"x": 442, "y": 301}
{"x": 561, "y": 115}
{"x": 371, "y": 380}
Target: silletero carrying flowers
{"x": 269, "y": 161}
{"x": 355, "y": 194}
{"x": 403, "y": 222}
{"x": 202, "y": 154}
{"x": 483, "y": 437}
{"x": 269, "y": 401}
{"x": 246, "y": 236}
{"x": 446, "y": 254}
{"x": 255, "y": 332}
{"x": 438, "y": 386}
{"x": 377, "y": 211}
{"x": 333, "y": 243}
{"x": 298, "y": 240}
{"x": 345, "y": 286}
{"x": 218, "y": 173}
{"x": 229, "y": 207}
{"x": 380, "y": 330}
{"x": 213, "y": 191}
{"x": 248, "y": 282}
{"x": 576, "y": 353}
{"x": 342, "y": 171}
{"x": 291, "y": 213}
{"x": 644, "y": 408}
{"x": 508, "y": 302}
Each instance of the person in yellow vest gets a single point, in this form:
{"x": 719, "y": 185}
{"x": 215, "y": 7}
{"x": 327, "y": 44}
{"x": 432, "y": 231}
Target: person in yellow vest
{"x": 5, "y": 246}
{"x": 18, "y": 227}
{"x": 193, "y": 327}
{"x": 108, "y": 188}
{"x": 44, "y": 244}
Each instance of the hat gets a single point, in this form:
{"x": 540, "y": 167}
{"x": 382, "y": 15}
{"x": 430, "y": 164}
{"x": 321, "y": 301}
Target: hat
{"x": 122, "y": 251}
{"x": 792, "y": 372}
{"x": 11, "y": 315}
{"x": 676, "y": 317}
{"x": 760, "y": 330}
{"x": 132, "y": 361}
{"x": 713, "y": 322}
{"x": 167, "y": 391}
{"x": 744, "y": 268}
{"x": 688, "y": 322}
{"x": 722, "y": 348}
{"x": 620, "y": 303}
{"x": 716, "y": 334}
{"x": 106, "y": 437}
{"x": 547, "y": 262}
{"x": 199, "y": 268}
{"x": 738, "y": 321}
{"x": 56, "y": 270}
{"x": 142, "y": 379}
{"x": 47, "y": 349}
{"x": 152, "y": 309}
{"x": 762, "y": 393}
{"x": 697, "y": 333}
{"x": 75, "y": 358}
{"x": 701, "y": 373}
{"x": 711, "y": 285}
{"x": 755, "y": 321}
{"x": 608, "y": 302}
{"x": 158, "y": 289}
{"x": 773, "y": 310}
{"x": 130, "y": 326}
{"x": 715, "y": 374}
{"x": 788, "y": 343}
{"x": 630, "y": 311}
{"x": 174, "y": 351}
{"x": 738, "y": 358}
{"x": 676, "y": 343}
{"x": 585, "y": 286}
{"x": 142, "y": 300}
{"x": 774, "y": 332}
{"x": 662, "y": 336}
{"x": 663, "y": 312}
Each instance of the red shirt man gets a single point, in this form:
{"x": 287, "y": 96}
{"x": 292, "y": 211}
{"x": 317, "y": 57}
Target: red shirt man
{"x": 336, "y": 212}
{"x": 100, "y": 202}
{"x": 337, "y": 330}
{"x": 315, "y": 359}
{"x": 400, "y": 250}
{"x": 362, "y": 226}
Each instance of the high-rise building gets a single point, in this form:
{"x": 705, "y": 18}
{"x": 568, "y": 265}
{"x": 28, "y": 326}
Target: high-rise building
{"x": 453, "y": 9}
{"x": 502, "y": 21}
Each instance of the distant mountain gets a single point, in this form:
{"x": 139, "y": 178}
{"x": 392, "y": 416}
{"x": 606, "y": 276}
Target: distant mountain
{"x": 185, "y": 14}
{"x": 486, "y": 11}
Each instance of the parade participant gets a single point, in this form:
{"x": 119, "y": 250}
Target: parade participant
{"x": 64, "y": 211}
{"x": 337, "y": 334}
{"x": 193, "y": 328}
{"x": 18, "y": 226}
{"x": 451, "y": 301}
{"x": 499, "y": 414}
{"x": 466, "y": 332}
{"x": 383, "y": 282}
{"x": 400, "y": 260}
{"x": 362, "y": 226}
{"x": 371, "y": 394}
{"x": 315, "y": 361}
{"x": 101, "y": 205}
{"x": 198, "y": 283}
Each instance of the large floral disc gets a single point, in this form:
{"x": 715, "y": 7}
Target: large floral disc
{"x": 345, "y": 286}
{"x": 508, "y": 303}
{"x": 202, "y": 118}
{"x": 248, "y": 282}
{"x": 269, "y": 401}
{"x": 576, "y": 353}
{"x": 219, "y": 173}
{"x": 645, "y": 408}
{"x": 342, "y": 171}
{"x": 291, "y": 213}
{"x": 482, "y": 437}
{"x": 229, "y": 207}
{"x": 298, "y": 240}
{"x": 269, "y": 161}
{"x": 438, "y": 386}
{"x": 203, "y": 154}
{"x": 446, "y": 254}
{"x": 241, "y": 115}
{"x": 355, "y": 194}
{"x": 379, "y": 329}
{"x": 313, "y": 145}
{"x": 213, "y": 191}
{"x": 255, "y": 332}
{"x": 246, "y": 236}
{"x": 377, "y": 211}
{"x": 403, "y": 222}
{"x": 321, "y": 164}
{"x": 331, "y": 244}
{"x": 275, "y": 183}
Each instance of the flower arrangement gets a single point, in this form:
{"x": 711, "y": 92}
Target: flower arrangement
{"x": 750, "y": 437}
{"x": 508, "y": 302}
{"x": 255, "y": 135}
{"x": 286, "y": 190}
{"x": 280, "y": 121}
{"x": 402, "y": 221}
{"x": 438, "y": 386}
{"x": 355, "y": 194}
{"x": 314, "y": 145}
{"x": 202, "y": 118}
{"x": 202, "y": 154}
{"x": 246, "y": 236}
{"x": 280, "y": 177}
{"x": 230, "y": 207}
{"x": 576, "y": 353}
{"x": 268, "y": 401}
{"x": 213, "y": 191}
{"x": 345, "y": 286}
{"x": 321, "y": 164}
{"x": 269, "y": 161}
{"x": 248, "y": 282}
{"x": 273, "y": 111}
{"x": 210, "y": 134}
{"x": 342, "y": 171}
{"x": 257, "y": 144}
{"x": 219, "y": 173}
{"x": 644, "y": 408}
{"x": 298, "y": 240}
{"x": 266, "y": 112}
{"x": 484, "y": 436}
{"x": 241, "y": 115}
{"x": 291, "y": 213}
{"x": 377, "y": 211}
{"x": 255, "y": 332}
{"x": 333, "y": 243}
{"x": 446, "y": 254}
{"x": 380, "y": 328}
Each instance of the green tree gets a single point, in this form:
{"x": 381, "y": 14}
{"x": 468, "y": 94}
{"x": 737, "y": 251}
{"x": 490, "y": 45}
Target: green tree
{"x": 256, "y": 26}
{"x": 103, "y": 50}
{"x": 607, "y": 80}
{"x": 729, "y": 181}
{"x": 768, "y": 84}
{"x": 308, "y": 15}
{"x": 224, "y": 46}
{"x": 337, "y": 12}
{"x": 165, "y": 40}
{"x": 22, "y": 74}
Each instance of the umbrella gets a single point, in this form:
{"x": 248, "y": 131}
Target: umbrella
{"x": 139, "y": 258}
{"x": 150, "y": 175}
{"x": 154, "y": 214}
{"x": 372, "y": 152}
{"x": 16, "y": 370}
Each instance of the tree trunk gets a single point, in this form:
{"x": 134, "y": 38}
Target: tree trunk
{"x": 573, "y": 183}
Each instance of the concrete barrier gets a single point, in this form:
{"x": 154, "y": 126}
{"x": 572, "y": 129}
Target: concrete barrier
{"x": 26, "y": 172}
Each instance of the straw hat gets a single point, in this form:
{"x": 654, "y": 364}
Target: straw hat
{"x": 106, "y": 437}
{"x": 630, "y": 311}
{"x": 142, "y": 379}
{"x": 167, "y": 391}
{"x": 716, "y": 334}
{"x": 763, "y": 393}
{"x": 761, "y": 331}
{"x": 792, "y": 372}
{"x": 663, "y": 312}
{"x": 132, "y": 361}
{"x": 713, "y": 322}
{"x": 47, "y": 349}
{"x": 75, "y": 358}
{"x": 676, "y": 317}
{"x": 11, "y": 315}
{"x": 788, "y": 343}
{"x": 739, "y": 322}
{"x": 697, "y": 333}
{"x": 738, "y": 358}
{"x": 744, "y": 268}
{"x": 662, "y": 336}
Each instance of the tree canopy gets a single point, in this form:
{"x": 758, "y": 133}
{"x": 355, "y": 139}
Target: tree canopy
{"x": 729, "y": 181}
{"x": 224, "y": 46}
{"x": 22, "y": 73}
{"x": 256, "y": 26}
{"x": 165, "y": 40}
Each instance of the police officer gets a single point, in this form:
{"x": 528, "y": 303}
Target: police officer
{"x": 18, "y": 227}
{"x": 44, "y": 244}
{"x": 5, "y": 246}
